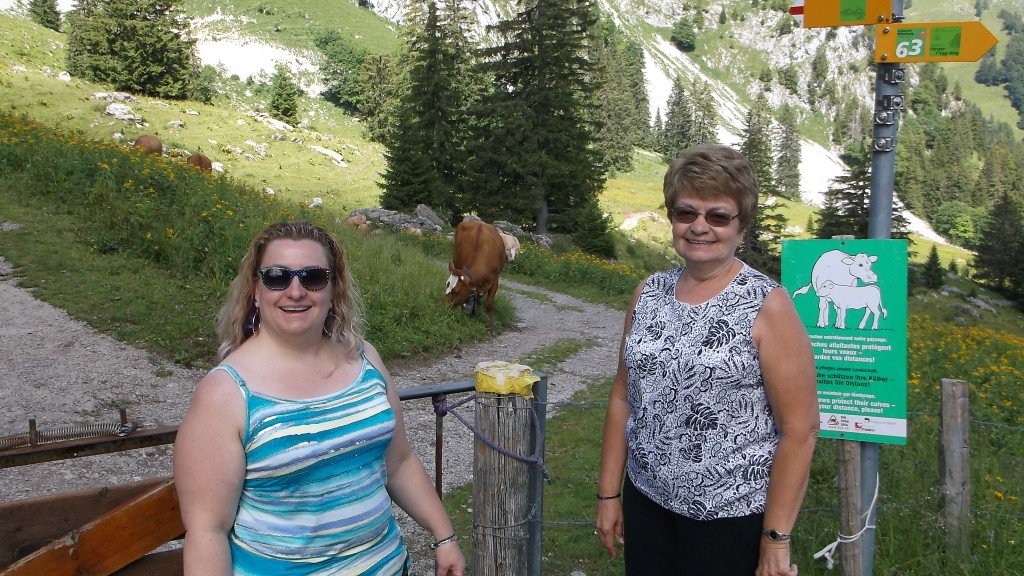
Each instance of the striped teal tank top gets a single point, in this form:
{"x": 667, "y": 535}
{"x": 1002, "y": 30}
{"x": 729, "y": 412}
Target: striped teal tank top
{"x": 314, "y": 498}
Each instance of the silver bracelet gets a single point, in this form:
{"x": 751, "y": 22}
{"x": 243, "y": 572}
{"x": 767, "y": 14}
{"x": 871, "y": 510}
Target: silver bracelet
{"x": 443, "y": 541}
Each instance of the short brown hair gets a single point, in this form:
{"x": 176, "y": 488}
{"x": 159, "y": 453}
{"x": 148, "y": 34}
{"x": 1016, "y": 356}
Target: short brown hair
{"x": 712, "y": 171}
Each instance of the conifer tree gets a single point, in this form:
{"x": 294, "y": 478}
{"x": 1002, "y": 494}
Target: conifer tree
{"x": 45, "y": 13}
{"x": 787, "y": 161}
{"x": 615, "y": 107}
{"x": 658, "y": 133}
{"x": 1000, "y": 252}
{"x": 831, "y": 222}
{"x": 677, "y": 131}
{"x": 427, "y": 154}
{"x": 848, "y": 198}
{"x": 534, "y": 159}
{"x": 633, "y": 54}
{"x": 764, "y": 234}
{"x": 378, "y": 80}
{"x": 284, "y": 96}
{"x": 759, "y": 144}
{"x": 139, "y": 46}
{"x": 933, "y": 276}
{"x": 704, "y": 129}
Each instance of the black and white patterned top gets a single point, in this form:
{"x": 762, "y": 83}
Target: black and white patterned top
{"x": 700, "y": 434}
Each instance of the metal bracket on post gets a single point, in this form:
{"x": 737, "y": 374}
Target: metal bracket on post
{"x": 895, "y": 76}
{"x": 893, "y": 102}
{"x": 885, "y": 117}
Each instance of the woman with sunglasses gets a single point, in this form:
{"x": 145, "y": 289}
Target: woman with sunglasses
{"x": 713, "y": 414}
{"x": 293, "y": 448}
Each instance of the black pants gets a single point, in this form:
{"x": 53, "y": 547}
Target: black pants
{"x": 661, "y": 542}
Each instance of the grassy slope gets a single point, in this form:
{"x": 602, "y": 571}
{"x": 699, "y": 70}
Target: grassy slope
{"x": 291, "y": 169}
{"x": 991, "y": 99}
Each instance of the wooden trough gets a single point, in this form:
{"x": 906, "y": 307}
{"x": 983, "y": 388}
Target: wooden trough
{"x": 95, "y": 532}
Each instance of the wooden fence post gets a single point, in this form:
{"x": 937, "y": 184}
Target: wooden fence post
{"x": 851, "y": 558}
{"x": 954, "y": 461}
{"x": 501, "y": 504}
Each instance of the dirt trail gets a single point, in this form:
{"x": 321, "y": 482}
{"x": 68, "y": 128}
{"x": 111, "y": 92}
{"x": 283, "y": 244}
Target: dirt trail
{"x": 60, "y": 371}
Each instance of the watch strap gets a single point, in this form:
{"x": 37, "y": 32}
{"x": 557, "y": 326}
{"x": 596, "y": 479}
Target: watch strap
{"x": 775, "y": 535}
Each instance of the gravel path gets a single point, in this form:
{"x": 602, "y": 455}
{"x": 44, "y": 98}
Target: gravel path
{"x": 60, "y": 371}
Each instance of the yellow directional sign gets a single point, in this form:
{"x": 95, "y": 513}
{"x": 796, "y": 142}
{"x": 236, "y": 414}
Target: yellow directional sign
{"x": 933, "y": 42}
{"x": 829, "y": 13}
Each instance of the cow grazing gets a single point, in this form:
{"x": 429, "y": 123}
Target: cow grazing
{"x": 841, "y": 269}
{"x": 511, "y": 245}
{"x": 854, "y": 297}
{"x": 150, "y": 144}
{"x": 477, "y": 260}
{"x": 200, "y": 161}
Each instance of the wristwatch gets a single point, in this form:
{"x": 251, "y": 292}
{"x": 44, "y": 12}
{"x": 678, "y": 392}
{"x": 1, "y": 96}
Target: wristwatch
{"x": 774, "y": 535}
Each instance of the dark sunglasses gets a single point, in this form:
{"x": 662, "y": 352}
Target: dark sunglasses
{"x": 689, "y": 216}
{"x": 279, "y": 278}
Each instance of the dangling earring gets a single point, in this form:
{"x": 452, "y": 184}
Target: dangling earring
{"x": 327, "y": 332}
{"x": 256, "y": 321}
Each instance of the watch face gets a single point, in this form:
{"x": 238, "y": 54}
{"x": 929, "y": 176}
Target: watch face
{"x": 774, "y": 535}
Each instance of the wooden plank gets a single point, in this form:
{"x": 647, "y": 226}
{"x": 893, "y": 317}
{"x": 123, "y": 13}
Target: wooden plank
{"x": 166, "y": 563}
{"x": 30, "y": 524}
{"x": 110, "y": 542}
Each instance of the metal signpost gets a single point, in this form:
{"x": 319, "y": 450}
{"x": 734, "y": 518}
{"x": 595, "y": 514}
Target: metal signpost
{"x": 896, "y": 42}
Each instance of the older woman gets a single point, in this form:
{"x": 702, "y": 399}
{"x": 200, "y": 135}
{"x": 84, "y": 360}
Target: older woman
{"x": 293, "y": 448}
{"x": 713, "y": 414}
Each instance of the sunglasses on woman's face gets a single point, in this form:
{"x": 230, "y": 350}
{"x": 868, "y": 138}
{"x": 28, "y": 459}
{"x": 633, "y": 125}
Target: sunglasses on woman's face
{"x": 313, "y": 278}
{"x": 684, "y": 215}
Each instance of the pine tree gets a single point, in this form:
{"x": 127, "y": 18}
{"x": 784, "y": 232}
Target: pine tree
{"x": 764, "y": 234}
{"x": 378, "y": 79}
{"x": 677, "y": 132}
{"x": 759, "y": 144}
{"x": 139, "y": 46}
{"x": 284, "y": 96}
{"x": 427, "y": 152}
{"x": 658, "y": 134}
{"x": 999, "y": 255}
{"x": 848, "y": 198}
{"x": 615, "y": 107}
{"x": 684, "y": 35}
{"x": 633, "y": 56}
{"x": 45, "y": 13}
{"x": 787, "y": 161}
{"x": 933, "y": 276}
{"x": 534, "y": 160}
{"x": 704, "y": 129}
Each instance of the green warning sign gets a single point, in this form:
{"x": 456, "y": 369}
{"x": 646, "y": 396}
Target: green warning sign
{"x": 852, "y": 297}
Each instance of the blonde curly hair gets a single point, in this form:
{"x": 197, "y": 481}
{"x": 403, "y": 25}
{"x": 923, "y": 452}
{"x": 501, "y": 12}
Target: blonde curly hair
{"x": 237, "y": 321}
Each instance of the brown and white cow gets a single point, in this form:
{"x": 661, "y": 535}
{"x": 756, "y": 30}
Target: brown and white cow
{"x": 477, "y": 260}
{"x": 200, "y": 161}
{"x": 150, "y": 144}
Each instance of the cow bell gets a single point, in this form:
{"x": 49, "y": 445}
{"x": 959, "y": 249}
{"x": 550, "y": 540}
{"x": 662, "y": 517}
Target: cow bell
{"x": 469, "y": 306}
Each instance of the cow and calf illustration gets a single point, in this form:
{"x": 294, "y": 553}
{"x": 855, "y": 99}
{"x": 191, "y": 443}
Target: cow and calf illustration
{"x": 835, "y": 278}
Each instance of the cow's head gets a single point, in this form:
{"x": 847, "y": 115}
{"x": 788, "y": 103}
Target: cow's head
{"x": 860, "y": 267}
{"x": 460, "y": 289}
